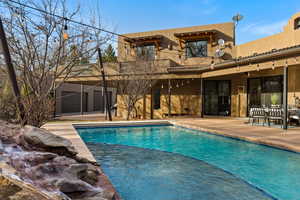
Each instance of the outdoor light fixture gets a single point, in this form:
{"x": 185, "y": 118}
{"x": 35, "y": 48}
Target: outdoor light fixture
{"x": 248, "y": 74}
{"x": 236, "y": 19}
{"x": 65, "y": 36}
{"x": 257, "y": 68}
{"x": 162, "y": 86}
{"x": 273, "y": 65}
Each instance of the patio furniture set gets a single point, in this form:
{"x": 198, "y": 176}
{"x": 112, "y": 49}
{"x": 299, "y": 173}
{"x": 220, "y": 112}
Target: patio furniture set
{"x": 273, "y": 114}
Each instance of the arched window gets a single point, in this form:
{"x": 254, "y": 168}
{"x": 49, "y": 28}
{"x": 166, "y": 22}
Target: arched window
{"x": 297, "y": 23}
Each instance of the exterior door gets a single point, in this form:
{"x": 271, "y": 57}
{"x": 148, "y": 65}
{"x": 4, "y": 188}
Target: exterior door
{"x": 217, "y": 98}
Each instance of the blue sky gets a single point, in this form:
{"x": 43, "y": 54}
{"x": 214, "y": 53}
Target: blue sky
{"x": 261, "y": 17}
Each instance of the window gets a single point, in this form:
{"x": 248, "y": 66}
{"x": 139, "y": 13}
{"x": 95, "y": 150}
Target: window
{"x": 265, "y": 91}
{"x": 297, "y": 23}
{"x": 156, "y": 99}
{"x": 196, "y": 49}
{"x": 146, "y": 52}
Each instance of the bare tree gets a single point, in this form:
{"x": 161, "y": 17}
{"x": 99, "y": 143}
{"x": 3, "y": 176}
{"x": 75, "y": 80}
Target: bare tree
{"x": 45, "y": 47}
{"x": 135, "y": 81}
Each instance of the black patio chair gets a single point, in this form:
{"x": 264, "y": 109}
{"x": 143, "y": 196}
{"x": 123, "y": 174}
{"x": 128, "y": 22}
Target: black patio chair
{"x": 256, "y": 114}
{"x": 275, "y": 115}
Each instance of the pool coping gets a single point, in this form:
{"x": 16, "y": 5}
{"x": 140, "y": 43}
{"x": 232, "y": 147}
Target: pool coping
{"x": 265, "y": 142}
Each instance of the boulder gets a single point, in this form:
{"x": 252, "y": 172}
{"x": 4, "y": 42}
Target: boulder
{"x": 1, "y": 147}
{"x": 8, "y": 132}
{"x": 85, "y": 172}
{"x": 104, "y": 195}
{"x": 46, "y": 165}
{"x": 75, "y": 188}
{"x": 85, "y": 160}
{"x": 43, "y": 140}
{"x": 18, "y": 190}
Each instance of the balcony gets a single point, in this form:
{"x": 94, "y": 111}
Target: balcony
{"x": 153, "y": 66}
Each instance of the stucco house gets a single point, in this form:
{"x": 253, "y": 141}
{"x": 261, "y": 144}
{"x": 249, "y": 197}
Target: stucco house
{"x": 200, "y": 71}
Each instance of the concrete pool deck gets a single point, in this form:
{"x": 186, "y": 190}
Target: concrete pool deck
{"x": 66, "y": 130}
{"x": 240, "y": 129}
{"x": 230, "y": 127}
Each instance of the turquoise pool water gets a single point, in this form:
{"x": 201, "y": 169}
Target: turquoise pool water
{"x": 274, "y": 171}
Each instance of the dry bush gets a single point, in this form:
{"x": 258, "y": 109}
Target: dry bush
{"x": 38, "y": 110}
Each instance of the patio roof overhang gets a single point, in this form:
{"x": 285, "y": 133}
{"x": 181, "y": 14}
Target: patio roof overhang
{"x": 145, "y": 40}
{"x": 196, "y": 35}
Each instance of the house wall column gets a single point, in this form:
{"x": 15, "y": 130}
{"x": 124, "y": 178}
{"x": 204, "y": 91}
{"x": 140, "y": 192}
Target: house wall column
{"x": 169, "y": 98}
{"x": 285, "y": 97}
{"x": 151, "y": 102}
{"x": 81, "y": 98}
{"x": 144, "y": 107}
{"x": 202, "y": 98}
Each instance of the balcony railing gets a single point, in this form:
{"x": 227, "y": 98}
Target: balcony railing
{"x": 153, "y": 66}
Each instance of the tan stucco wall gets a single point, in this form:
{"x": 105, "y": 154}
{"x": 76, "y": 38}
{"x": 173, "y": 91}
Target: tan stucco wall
{"x": 182, "y": 97}
{"x": 287, "y": 38}
{"x": 225, "y": 31}
{"x": 188, "y": 95}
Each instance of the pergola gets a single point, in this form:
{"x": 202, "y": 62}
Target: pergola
{"x": 197, "y": 35}
{"x": 153, "y": 39}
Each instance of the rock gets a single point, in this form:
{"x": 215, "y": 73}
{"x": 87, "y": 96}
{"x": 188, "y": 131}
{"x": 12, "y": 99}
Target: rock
{"x": 73, "y": 188}
{"x": 104, "y": 195}
{"x": 49, "y": 164}
{"x": 90, "y": 176}
{"x": 9, "y": 132}
{"x": 40, "y": 139}
{"x": 17, "y": 190}
{"x": 85, "y": 172}
{"x": 85, "y": 160}
{"x": 1, "y": 147}
{"x": 64, "y": 161}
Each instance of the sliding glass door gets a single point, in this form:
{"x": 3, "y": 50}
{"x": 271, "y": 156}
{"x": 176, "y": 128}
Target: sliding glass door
{"x": 265, "y": 91}
{"x": 217, "y": 98}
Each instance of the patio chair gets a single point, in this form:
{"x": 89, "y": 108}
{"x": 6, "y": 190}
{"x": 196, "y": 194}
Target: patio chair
{"x": 256, "y": 114}
{"x": 275, "y": 115}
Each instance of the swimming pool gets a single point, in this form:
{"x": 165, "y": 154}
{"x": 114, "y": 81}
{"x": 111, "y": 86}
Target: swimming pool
{"x": 275, "y": 172}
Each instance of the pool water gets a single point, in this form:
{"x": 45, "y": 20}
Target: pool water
{"x": 275, "y": 172}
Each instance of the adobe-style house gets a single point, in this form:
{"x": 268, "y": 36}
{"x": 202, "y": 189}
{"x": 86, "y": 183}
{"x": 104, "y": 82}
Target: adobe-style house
{"x": 200, "y": 71}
